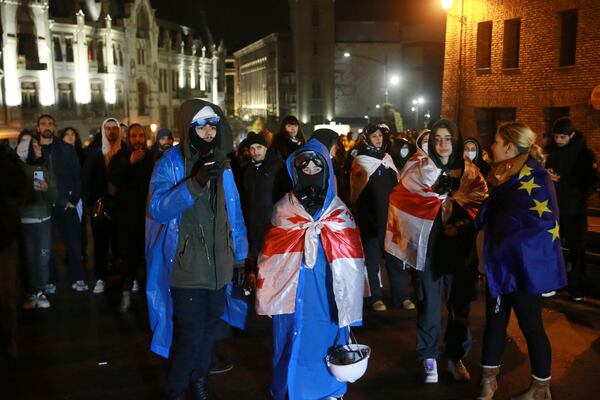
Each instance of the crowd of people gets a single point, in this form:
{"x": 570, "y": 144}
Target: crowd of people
{"x": 309, "y": 226}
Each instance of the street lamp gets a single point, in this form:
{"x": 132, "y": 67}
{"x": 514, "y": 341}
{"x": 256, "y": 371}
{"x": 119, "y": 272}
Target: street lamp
{"x": 394, "y": 80}
{"x": 447, "y": 4}
{"x": 419, "y": 101}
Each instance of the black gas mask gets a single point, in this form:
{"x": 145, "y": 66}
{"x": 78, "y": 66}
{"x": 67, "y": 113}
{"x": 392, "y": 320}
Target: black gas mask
{"x": 310, "y": 180}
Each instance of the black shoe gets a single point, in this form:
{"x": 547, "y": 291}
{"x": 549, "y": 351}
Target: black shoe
{"x": 220, "y": 366}
{"x": 199, "y": 388}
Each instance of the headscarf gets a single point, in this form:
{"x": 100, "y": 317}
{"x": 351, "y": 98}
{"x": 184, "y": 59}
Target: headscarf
{"x": 108, "y": 149}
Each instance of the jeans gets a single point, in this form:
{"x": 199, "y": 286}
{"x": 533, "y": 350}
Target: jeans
{"x": 572, "y": 231}
{"x": 195, "y": 314}
{"x": 528, "y": 309}
{"x": 398, "y": 277}
{"x": 428, "y": 289}
{"x": 68, "y": 224}
{"x": 37, "y": 241}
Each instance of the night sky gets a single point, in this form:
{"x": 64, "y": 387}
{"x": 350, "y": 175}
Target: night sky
{"x": 241, "y": 22}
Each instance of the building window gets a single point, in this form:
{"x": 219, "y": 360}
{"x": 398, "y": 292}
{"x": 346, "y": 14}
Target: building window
{"x": 26, "y": 36}
{"x": 512, "y": 37}
{"x": 141, "y": 56}
{"x": 96, "y": 91}
{"x": 65, "y": 95}
{"x": 142, "y": 98}
{"x": 69, "y": 49}
{"x": 120, "y": 56}
{"x": 316, "y": 90}
{"x": 58, "y": 55}
{"x": 315, "y": 16}
{"x": 551, "y": 114}
{"x": 29, "y": 97}
{"x": 115, "y": 55}
{"x": 488, "y": 120}
{"x": 315, "y": 48}
{"x": 91, "y": 51}
{"x": 100, "y": 57}
{"x": 484, "y": 44}
{"x": 568, "y": 37}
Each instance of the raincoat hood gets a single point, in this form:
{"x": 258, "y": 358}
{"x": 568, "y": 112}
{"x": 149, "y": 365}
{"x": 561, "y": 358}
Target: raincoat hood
{"x": 187, "y": 111}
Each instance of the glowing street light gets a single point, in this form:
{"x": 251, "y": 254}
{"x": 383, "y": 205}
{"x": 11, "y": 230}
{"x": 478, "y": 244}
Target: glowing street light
{"x": 377, "y": 106}
{"x": 153, "y": 128}
{"x": 394, "y": 80}
{"x": 419, "y": 101}
{"x": 346, "y": 54}
{"x": 447, "y": 4}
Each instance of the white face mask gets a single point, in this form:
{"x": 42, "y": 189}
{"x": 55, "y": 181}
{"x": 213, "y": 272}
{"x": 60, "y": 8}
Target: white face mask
{"x": 471, "y": 155}
{"x": 403, "y": 152}
{"x": 425, "y": 147}
{"x": 23, "y": 147}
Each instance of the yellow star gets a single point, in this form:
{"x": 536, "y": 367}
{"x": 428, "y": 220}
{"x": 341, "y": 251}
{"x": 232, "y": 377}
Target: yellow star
{"x": 529, "y": 186}
{"x": 555, "y": 232}
{"x": 541, "y": 207}
{"x": 525, "y": 171}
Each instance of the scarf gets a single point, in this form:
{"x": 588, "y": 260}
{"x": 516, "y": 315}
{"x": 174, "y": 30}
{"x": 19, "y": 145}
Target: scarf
{"x": 294, "y": 239}
{"x": 108, "y": 149}
{"x": 363, "y": 167}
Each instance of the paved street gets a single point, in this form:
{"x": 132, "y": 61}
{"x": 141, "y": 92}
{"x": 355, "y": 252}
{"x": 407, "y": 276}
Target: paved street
{"x": 82, "y": 348}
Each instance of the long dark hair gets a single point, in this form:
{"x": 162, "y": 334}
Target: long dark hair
{"x": 456, "y": 160}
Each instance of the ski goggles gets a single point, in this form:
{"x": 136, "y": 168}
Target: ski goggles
{"x": 303, "y": 159}
{"x": 213, "y": 121}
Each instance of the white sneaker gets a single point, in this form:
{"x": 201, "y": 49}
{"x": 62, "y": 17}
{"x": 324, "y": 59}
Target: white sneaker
{"x": 135, "y": 287}
{"x": 30, "y": 302}
{"x": 50, "y": 288}
{"x": 42, "y": 300}
{"x": 430, "y": 374}
{"x": 549, "y": 294}
{"x": 79, "y": 286}
{"x": 99, "y": 287}
{"x": 379, "y": 306}
{"x": 458, "y": 370}
{"x": 408, "y": 305}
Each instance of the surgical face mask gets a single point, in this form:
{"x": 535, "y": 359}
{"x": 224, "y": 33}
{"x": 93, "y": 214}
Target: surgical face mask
{"x": 425, "y": 147}
{"x": 472, "y": 155}
{"x": 403, "y": 152}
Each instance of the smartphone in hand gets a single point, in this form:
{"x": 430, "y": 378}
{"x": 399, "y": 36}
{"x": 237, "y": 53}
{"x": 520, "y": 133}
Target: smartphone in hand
{"x": 38, "y": 176}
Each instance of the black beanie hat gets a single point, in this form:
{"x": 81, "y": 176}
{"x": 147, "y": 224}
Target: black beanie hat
{"x": 563, "y": 126}
{"x": 255, "y": 138}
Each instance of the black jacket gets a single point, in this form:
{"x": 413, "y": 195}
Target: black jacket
{"x": 94, "y": 176}
{"x": 258, "y": 199}
{"x": 12, "y": 193}
{"x": 64, "y": 163}
{"x": 577, "y": 167}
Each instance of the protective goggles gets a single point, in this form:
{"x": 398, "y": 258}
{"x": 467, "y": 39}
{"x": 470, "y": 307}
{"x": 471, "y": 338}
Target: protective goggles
{"x": 213, "y": 121}
{"x": 303, "y": 159}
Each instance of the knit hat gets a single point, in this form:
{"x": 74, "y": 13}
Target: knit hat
{"x": 255, "y": 138}
{"x": 206, "y": 115}
{"x": 563, "y": 126}
{"x": 163, "y": 133}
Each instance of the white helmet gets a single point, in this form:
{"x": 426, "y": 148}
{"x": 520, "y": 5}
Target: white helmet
{"x": 348, "y": 363}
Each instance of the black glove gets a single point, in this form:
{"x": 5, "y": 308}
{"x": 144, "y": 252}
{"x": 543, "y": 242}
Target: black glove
{"x": 203, "y": 171}
{"x": 239, "y": 275}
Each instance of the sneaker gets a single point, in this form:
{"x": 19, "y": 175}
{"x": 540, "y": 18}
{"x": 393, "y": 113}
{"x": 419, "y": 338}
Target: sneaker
{"x": 549, "y": 294}
{"x": 30, "y": 302}
{"x": 50, "y": 288}
{"x": 458, "y": 370}
{"x": 379, "y": 306}
{"x": 135, "y": 287}
{"x": 98, "y": 287}
{"x": 42, "y": 300}
{"x": 430, "y": 374}
{"x": 408, "y": 305}
{"x": 577, "y": 299}
{"x": 125, "y": 301}
{"x": 79, "y": 286}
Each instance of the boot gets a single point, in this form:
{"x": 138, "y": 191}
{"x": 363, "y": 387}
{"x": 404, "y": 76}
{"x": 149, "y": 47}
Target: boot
{"x": 538, "y": 390}
{"x": 488, "y": 384}
{"x": 125, "y": 301}
{"x": 199, "y": 387}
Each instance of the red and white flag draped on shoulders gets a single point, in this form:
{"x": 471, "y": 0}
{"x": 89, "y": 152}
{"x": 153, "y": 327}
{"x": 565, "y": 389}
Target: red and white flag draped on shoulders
{"x": 292, "y": 239}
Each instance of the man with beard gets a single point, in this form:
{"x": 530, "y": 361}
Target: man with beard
{"x": 195, "y": 238}
{"x": 98, "y": 193}
{"x": 164, "y": 141}
{"x": 258, "y": 181}
{"x": 65, "y": 166}
{"x": 129, "y": 171}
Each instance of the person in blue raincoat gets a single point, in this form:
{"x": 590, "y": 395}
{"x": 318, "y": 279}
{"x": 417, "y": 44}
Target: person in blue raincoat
{"x": 195, "y": 233}
{"x": 311, "y": 278}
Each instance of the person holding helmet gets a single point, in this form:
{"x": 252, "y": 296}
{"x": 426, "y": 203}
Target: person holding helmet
{"x": 195, "y": 236}
{"x": 372, "y": 177}
{"x": 311, "y": 278}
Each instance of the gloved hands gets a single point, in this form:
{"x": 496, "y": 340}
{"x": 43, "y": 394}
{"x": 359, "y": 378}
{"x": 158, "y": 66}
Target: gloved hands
{"x": 204, "y": 171}
{"x": 239, "y": 273}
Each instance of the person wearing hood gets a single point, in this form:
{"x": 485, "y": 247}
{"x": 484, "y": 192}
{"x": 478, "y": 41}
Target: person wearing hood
{"x": 195, "y": 236}
{"x": 98, "y": 193}
{"x": 401, "y": 151}
{"x": 289, "y": 137}
{"x": 430, "y": 228}
{"x": 473, "y": 153}
{"x": 574, "y": 169}
{"x": 259, "y": 178}
{"x": 129, "y": 172}
{"x": 164, "y": 141}
{"x": 311, "y": 278}
{"x": 36, "y": 218}
{"x": 372, "y": 177}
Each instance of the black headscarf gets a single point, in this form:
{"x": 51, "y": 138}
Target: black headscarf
{"x": 447, "y": 183}
{"x": 371, "y": 150}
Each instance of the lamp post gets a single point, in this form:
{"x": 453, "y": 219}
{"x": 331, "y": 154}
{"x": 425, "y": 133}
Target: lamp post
{"x": 394, "y": 79}
{"x": 417, "y": 102}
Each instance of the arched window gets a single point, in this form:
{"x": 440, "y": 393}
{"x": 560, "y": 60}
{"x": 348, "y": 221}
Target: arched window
{"x": 143, "y": 24}
{"x": 142, "y": 98}
{"x": 26, "y": 37}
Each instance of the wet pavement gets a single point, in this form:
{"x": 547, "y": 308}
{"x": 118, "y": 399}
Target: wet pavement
{"x": 83, "y": 348}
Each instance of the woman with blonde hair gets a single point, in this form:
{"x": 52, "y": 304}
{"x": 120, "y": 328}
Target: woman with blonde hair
{"x": 522, "y": 255}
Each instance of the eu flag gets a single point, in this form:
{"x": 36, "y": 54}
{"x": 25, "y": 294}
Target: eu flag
{"x": 522, "y": 249}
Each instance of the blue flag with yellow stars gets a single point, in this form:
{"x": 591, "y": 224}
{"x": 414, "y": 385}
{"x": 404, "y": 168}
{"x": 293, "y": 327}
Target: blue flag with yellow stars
{"x": 522, "y": 249}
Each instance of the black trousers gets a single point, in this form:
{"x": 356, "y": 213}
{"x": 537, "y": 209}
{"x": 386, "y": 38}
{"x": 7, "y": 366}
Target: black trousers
{"x": 528, "y": 309}
{"x": 398, "y": 277}
{"x": 195, "y": 314}
{"x": 68, "y": 224}
{"x": 102, "y": 233}
{"x": 572, "y": 231}
{"x": 456, "y": 288}
{"x": 9, "y": 285}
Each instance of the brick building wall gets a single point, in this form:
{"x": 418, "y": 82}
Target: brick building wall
{"x": 538, "y": 83}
